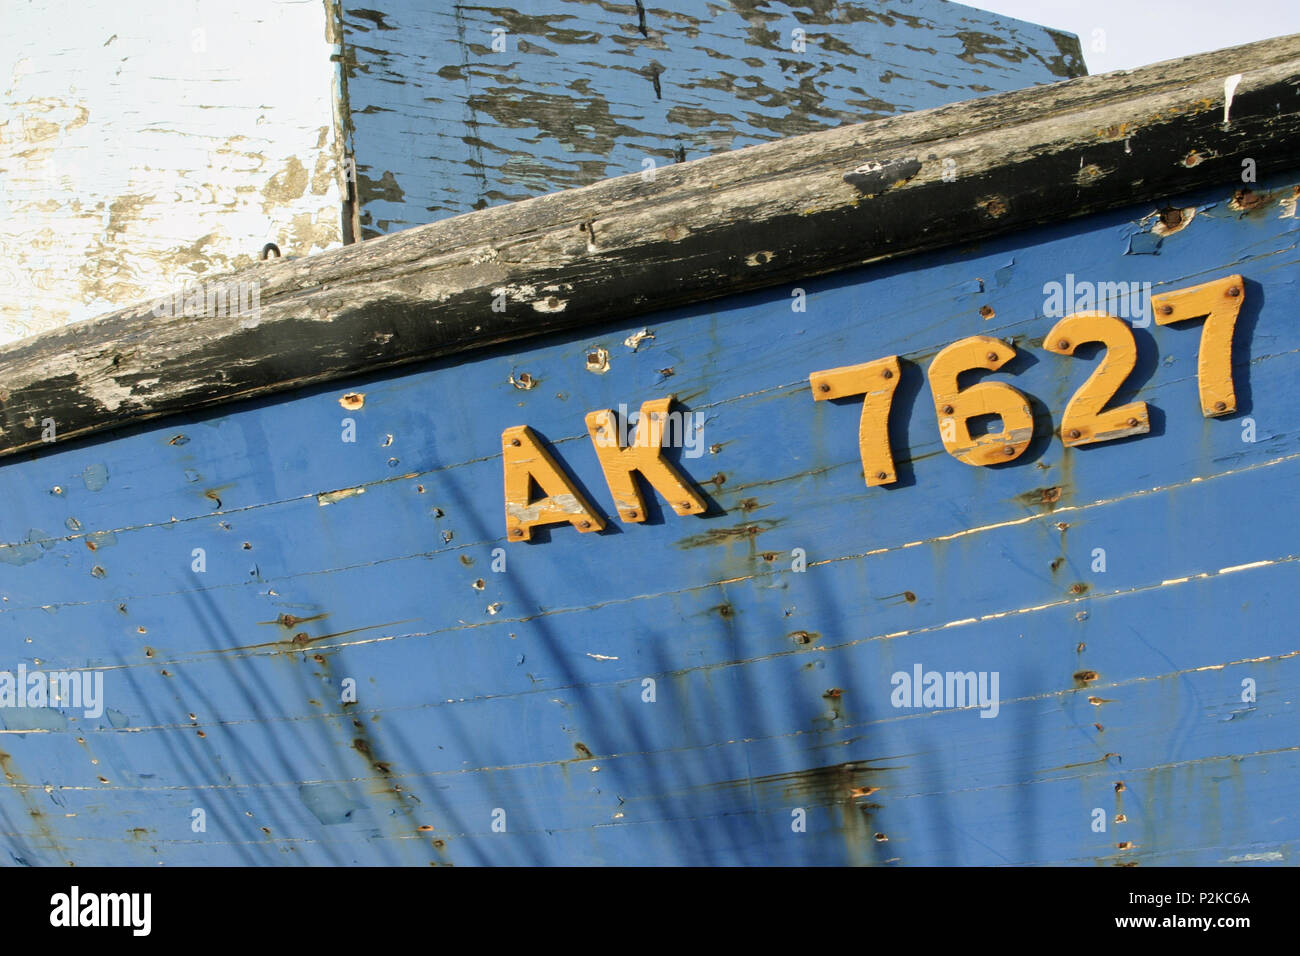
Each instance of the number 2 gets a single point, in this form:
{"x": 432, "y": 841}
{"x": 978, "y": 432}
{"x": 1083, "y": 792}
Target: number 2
{"x": 1084, "y": 422}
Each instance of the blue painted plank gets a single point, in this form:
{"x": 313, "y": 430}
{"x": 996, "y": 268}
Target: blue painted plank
{"x": 461, "y": 711}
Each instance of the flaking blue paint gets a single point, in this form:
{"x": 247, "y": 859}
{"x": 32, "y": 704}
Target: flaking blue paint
{"x": 575, "y": 91}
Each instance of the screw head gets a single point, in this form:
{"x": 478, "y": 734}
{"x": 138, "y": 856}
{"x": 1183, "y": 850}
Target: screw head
{"x": 516, "y": 532}
{"x": 685, "y": 504}
{"x": 1220, "y": 406}
{"x": 1166, "y": 310}
{"x": 992, "y": 356}
{"x": 1009, "y": 450}
{"x": 888, "y": 373}
{"x": 514, "y": 442}
{"x": 823, "y": 387}
{"x": 631, "y": 514}
{"x": 1063, "y": 344}
{"x": 584, "y": 525}
{"x": 1132, "y": 423}
{"x": 1075, "y": 433}
{"x": 1234, "y": 291}
{"x": 881, "y": 476}
{"x": 947, "y": 409}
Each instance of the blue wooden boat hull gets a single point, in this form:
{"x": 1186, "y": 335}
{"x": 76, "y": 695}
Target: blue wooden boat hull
{"x": 504, "y": 715}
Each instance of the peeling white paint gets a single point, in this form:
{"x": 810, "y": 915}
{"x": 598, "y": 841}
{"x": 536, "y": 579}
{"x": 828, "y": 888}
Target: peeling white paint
{"x": 172, "y": 153}
{"x": 1229, "y": 91}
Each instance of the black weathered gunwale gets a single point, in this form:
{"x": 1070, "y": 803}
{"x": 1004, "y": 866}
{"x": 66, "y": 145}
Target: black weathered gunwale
{"x": 757, "y": 217}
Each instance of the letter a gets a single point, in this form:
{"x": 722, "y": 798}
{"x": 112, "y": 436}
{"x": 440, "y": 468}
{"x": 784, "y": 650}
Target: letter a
{"x": 644, "y": 454}
{"x": 526, "y": 463}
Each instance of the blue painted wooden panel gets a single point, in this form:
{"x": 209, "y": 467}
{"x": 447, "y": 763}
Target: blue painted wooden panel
{"x": 522, "y": 690}
{"x": 576, "y": 91}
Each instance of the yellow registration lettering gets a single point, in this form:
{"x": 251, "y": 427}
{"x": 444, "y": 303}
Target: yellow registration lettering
{"x": 955, "y": 407}
{"x": 526, "y": 462}
{"x": 1084, "y": 420}
{"x": 876, "y": 382}
{"x": 1220, "y": 302}
{"x": 644, "y": 455}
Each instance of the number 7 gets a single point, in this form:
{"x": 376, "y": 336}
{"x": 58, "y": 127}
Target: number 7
{"x": 1220, "y": 302}
{"x": 875, "y": 382}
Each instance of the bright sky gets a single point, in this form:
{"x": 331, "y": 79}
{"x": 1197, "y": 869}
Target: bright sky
{"x": 1137, "y": 32}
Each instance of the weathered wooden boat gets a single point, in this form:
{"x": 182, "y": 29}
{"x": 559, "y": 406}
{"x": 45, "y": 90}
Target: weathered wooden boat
{"x": 957, "y": 524}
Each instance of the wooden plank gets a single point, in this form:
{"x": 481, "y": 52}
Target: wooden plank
{"x": 756, "y": 217}
{"x": 462, "y": 107}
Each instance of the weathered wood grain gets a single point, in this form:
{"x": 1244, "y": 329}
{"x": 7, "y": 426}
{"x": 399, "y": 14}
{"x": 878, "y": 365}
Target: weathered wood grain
{"x": 760, "y": 216}
{"x": 140, "y": 151}
{"x": 461, "y": 107}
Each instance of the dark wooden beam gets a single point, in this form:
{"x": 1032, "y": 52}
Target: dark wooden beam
{"x": 756, "y": 217}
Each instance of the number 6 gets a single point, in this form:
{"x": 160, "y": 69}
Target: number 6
{"x": 955, "y": 407}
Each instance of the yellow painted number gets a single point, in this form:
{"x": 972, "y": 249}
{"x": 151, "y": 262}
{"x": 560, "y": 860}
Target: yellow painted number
{"x": 875, "y": 382}
{"x": 1220, "y": 302}
{"x": 1084, "y": 421}
{"x": 956, "y": 407}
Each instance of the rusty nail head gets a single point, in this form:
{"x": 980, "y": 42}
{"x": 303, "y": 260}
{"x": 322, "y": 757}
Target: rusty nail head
{"x": 1219, "y": 406}
{"x": 947, "y": 409}
{"x": 584, "y": 525}
{"x": 1234, "y": 291}
{"x": 823, "y": 387}
{"x": 1166, "y": 310}
{"x": 631, "y": 514}
{"x": 685, "y": 504}
{"x": 1063, "y": 344}
{"x": 1132, "y": 423}
{"x": 1009, "y": 450}
{"x": 888, "y": 373}
{"x": 881, "y": 476}
{"x": 992, "y": 356}
{"x": 1075, "y": 433}
{"x": 516, "y": 532}
{"x": 514, "y": 442}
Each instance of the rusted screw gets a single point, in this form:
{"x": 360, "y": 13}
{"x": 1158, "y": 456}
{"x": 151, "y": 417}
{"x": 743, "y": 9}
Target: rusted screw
{"x": 881, "y": 476}
{"x": 1076, "y": 588}
{"x": 992, "y": 356}
{"x": 1166, "y": 310}
{"x": 1063, "y": 345}
{"x": 888, "y": 373}
{"x": 1234, "y": 291}
{"x": 685, "y": 504}
{"x": 823, "y": 387}
{"x": 631, "y": 514}
{"x": 514, "y": 442}
{"x": 947, "y": 409}
{"x": 516, "y": 532}
{"x": 1132, "y": 423}
{"x": 1220, "y": 406}
{"x": 1075, "y": 433}
{"x": 1009, "y": 450}
{"x": 584, "y": 525}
